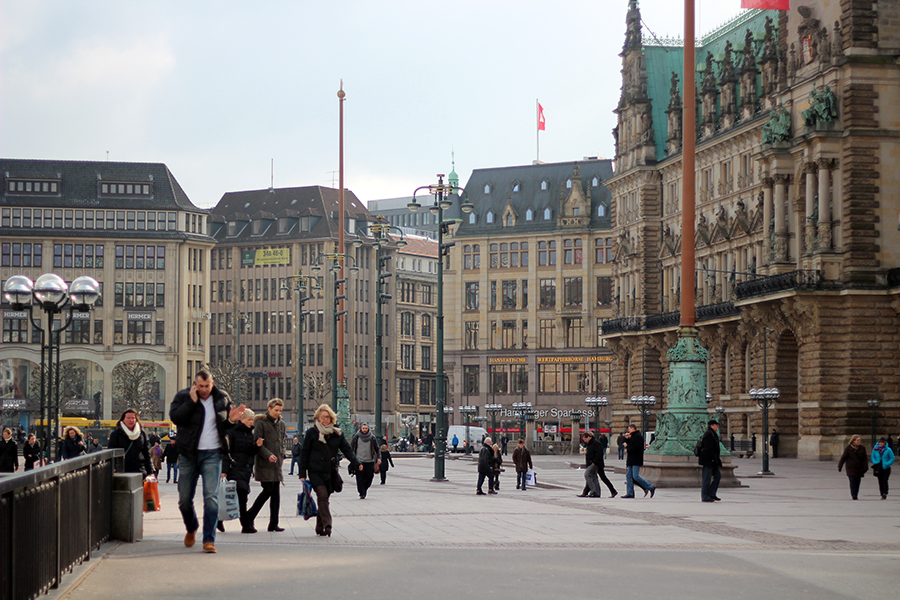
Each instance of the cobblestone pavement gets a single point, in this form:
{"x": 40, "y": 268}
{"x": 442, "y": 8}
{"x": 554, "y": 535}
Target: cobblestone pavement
{"x": 797, "y": 534}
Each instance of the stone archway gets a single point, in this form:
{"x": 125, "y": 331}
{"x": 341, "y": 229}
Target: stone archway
{"x": 786, "y": 414}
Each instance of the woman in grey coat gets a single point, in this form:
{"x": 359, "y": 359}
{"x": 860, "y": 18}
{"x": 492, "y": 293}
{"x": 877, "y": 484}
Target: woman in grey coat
{"x": 269, "y": 427}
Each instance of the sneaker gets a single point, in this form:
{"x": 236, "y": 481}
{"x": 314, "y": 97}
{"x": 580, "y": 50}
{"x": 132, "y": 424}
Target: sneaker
{"x": 189, "y": 538}
{"x": 653, "y": 491}
{"x": 209, "y": 547}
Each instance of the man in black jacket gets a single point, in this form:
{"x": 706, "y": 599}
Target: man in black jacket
{"x": 486, "y": 467}
{"x": 634, "y": 460}
{"x": 593, "y": 468}
{"x": 712, "y": 464}
{"x": 202, "y": 413}
{"x": 296, "y": 451}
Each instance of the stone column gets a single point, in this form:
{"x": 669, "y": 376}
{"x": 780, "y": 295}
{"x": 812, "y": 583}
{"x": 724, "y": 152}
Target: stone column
{"x": 824, "y": 225}
{"x": 767, "y": 220}
{"x": 576, "y": 433}
{"x": 809, "y": 241}
{"x": 781, "y": 225}
{"x": 529, "y": 431}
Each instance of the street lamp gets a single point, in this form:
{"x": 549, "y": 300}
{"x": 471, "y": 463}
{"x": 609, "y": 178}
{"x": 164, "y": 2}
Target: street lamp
{"x": 720, "y": 410}
{"x": 595, "y": 404}
{"x": 468, "y": 411}
{"x": 300, "y": 284}
{"x": 51, "y": 293}
{"x": 873, "y": 404}
{"x": 442, "y": 202}
{"x": 576, "y": 428}
{"x": 643, "y": 402}
{"x": 493, "y": 409}
{"x": 381, "y": 230}
{"x": 521, "y": 408}
{"x": 337, "y": 367}
{"x": 765, "y": 398}
{"x": 242, "y": 320}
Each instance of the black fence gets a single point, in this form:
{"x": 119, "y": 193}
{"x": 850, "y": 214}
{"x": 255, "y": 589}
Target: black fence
{"x": 51, "y": 519}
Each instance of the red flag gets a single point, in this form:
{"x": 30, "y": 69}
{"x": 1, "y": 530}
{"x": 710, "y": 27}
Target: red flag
{"x": 541, "y": 121}
{"x": 767, "y": 4}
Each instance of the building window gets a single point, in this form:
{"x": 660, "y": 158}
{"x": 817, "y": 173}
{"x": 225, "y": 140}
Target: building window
{"x": 493, "y": 295}
{"x": 15, "y": 331}
{"x": 118, "y": 335}
{"x": 489, "y": 217}
{"x": 471, "y": 379}
{"x": 126, "y": 189}
{"x": 548, "y": 214}
{"x": 499, "y": 379}
{"x": 509, "y": 295}
{"x": 79, "y": 332}
{"x": 140, "y": 333}
{"x": 471, "y": 256}
{"x": 472, "y": 218}
{"x": 487, "y": 188}
{"x": 547, "y": 253}
{"x": 573, "y": 332}
{"x": 548, "y": 293}
{"x": 32, "y": 187}
{"x": 603, "y": 250}
{"x": 98, "y": 331}
{"x": 544, "y": 185}
{"x": 471, "y": 335}
{"x": 524, "y": 293}
{"x": 548, "y": 379}
{"x": 573, "y": 251}
{"x": 508, "y": 334}
{"x": 472, "y": 296}
{"x": 529, "y": 215}
{"x": 547, "y": 328}
{"x": 426, "y": 392}
{"x": 572, "y": 291}
{"x": 601, "y": 210}
{"x": 407, "y": 324}
{"x": 426, "y": 358}
{"x": 406, "y": 388}
{"x": 426, "y": 295}
{"x": 426, "y": 325}
{"x": 604, "y": 291}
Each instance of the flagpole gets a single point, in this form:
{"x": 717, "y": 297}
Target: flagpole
{"x": 537, "y": 127}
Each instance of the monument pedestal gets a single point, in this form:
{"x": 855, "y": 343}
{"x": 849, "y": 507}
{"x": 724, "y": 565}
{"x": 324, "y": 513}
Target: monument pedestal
{"x": 682, "y": 471}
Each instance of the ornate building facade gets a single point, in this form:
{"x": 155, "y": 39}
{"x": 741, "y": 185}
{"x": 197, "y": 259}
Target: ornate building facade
{"x": 797, "y": 242}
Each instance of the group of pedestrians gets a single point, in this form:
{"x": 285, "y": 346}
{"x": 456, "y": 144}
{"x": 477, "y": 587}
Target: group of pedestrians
{"x": 856, "y": 460}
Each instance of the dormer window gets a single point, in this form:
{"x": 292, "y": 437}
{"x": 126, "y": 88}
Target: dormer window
{"x": 544, "y": 185}
{"x": 595, "y": 182}
{"x": 489, "y": 218}
{"x": 601, "y": 210}
{"x": 575, "y": 211}
{"x": 568, "y": 184}
{"x": 257, "y": 227}
{"x": 509, "y": 220}
{"x": 548, "y": 214}
{"x": 472, "y": 218}
{"x": 529, "y": 215}
{"x": 516, "y": 187}
{"x": 487, "y": 188}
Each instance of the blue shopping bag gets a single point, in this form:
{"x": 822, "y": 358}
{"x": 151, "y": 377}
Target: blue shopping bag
{"x": 306, "y": 505}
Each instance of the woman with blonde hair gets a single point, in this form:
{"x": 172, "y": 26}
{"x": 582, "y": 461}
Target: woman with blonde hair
{"x": 857, "y": 461}
{"x": 319, "y": 462}
{"x": 73, "y": 443}
{"x": 271, "y": 429}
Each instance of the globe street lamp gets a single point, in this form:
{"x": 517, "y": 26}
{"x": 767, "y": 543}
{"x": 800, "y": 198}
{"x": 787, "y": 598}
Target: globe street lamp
{"x": 493, "y": 409}
{"x": 299, "y": 283}
{"x": 595, "y": 404}
{"x": 873, "y": 404}
{"x": 51, "y": 293}
{"x": 765, "y": 398}
{"x": 521, "y": 408}
{"x": 642, "y": 402}
{"x": 442, "y": 202}
{"x": 468, "y": 411}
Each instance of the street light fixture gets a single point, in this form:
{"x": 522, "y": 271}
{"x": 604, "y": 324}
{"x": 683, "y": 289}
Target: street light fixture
{"x": 442, "y": 202}
{"x": 521, "y": 408}
{"x": 299, "y": 283}
{"x": 576, "y": 428}
{"x": 873, "y": 404}
{"x": 642, "y": 402}
{"x": 468, "y": 411}
{"x": 765, "y": 398}
{"x": 493, "y": 409}
{"x": 52, "y": 294}
{"x": 595, "y": 404}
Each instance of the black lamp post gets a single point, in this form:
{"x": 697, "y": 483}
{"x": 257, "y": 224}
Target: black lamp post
{"x": 642, "y": 402}
{"x": 468, "y": 411}
{"x": 765, "y": 398}
{"x": 300, "y": 284}
{"x": 493, "y": 409}
{"x": 52, "y": 294}
{"x": 873, "y": 404}
{"x": 442, "y": 202}
{"x": 521, "y": 408}
{"x": 242, "y": 325}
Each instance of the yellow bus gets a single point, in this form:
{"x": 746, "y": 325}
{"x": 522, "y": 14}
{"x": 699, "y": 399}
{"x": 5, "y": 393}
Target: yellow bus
{"x": 101, "y": 429}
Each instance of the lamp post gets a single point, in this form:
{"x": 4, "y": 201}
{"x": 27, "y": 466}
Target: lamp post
{"x": 468, "y": 411}
{"x": 493, "y": 409}
{"x": 299, "y": 283}
{"x": 643, "y": 402}
{"x": 765, "y": 398}
{"x": 720, "y": 410}
{"x": 51, "y": 293}
{"x": 873, "y": 404}
{"x": 442, "y": 202}
{"x": 337, "y": 367}
{"x": 521, "y": 408}
{"x": 576, "y": 429}
{"x": 608, "y": 426}
{"x": 595, "y": 404}
{"x": 242, "y": 320}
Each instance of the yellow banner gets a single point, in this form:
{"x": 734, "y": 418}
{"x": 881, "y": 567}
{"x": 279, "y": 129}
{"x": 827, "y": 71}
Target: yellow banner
{"x": 501, "y": 360}
{"x": 573, "y": 359}
{"x": 273, "y": 256}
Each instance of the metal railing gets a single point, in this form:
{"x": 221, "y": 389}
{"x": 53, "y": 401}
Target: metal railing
{"x": 52, "y": 518}
{"x": 793, "y": 280}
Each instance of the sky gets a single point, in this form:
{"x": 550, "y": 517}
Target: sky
{"x": 218, "y": 90}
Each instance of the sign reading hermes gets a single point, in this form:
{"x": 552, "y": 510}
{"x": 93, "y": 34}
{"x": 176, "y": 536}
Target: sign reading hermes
{"x": 266, "y": 256}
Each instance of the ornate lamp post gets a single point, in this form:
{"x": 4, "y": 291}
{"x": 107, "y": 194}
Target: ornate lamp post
{"x": 873, "y": 404}
{"x": 765, "y": 398}
{"x": 720, "y": 410}
{"x": 241, "y": 318}
{"x": 299, "y": 283}
{"x": 595, "y": 404}
{"x": 442, "y": 202}
{"x": 642, "y": 402}
{"x": 51, "y": 293}
{"x": 493, "y": 409}
{"x": 468, "y": 411}
{"x": 521, "y": 408}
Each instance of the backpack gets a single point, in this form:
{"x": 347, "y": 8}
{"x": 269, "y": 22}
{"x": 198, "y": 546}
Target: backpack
{"x": 698, "y": 447}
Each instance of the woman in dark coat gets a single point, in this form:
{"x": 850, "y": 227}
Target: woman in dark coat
{"x": 318, "y": 462}
{"x": 857, "y": 461}
{"x": 9, "y": 453}
{"x": 72, "y": 443}
{"x": 386, "y": 462}
{"x": 129, "y": 436}
{"x": 31, "y": 452}
{"x": 237, "y": 464}
{"x": 270, "y": 428}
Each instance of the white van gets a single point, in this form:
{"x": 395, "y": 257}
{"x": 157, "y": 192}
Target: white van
{"x": 475, "y": 435}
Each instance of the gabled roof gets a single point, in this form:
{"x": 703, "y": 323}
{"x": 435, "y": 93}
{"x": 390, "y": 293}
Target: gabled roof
{"x": 80, "y": 184}
{"x": 419, "y": 246}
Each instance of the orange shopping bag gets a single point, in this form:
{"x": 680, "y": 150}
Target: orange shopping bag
{"x": 151, "y": 496}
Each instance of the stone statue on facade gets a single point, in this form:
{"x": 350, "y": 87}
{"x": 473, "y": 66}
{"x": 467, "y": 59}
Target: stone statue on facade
{"x": 778, "y": 127}
{"x": 822, "y": 107}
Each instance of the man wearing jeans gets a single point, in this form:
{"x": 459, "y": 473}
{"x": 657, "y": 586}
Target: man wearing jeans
{"x": 634, "y": 448}
{"x": 202, "y": 413}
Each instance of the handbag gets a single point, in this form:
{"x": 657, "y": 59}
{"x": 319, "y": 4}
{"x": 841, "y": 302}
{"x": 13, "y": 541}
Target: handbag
{"x": 876, "y": 469}
{"x": 306, "y": 506}
{"x": 151, "y": 496}
{"x": 228, "y": 501}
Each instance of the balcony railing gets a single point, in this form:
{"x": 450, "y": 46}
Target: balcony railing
{"x": 793, "y": 280}
{"x": 717, "y": 311}
{"x": 670, "y": 319}
{"x": 664, "y": 320}
{"x": 622, "y": 325}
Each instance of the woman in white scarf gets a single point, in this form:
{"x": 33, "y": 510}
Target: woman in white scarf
{"x": 129, "y": 436}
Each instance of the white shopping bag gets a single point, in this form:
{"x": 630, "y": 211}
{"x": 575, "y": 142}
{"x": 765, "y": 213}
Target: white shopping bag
{"x": 228, "y": 501}
{"x": 530, "y": 478}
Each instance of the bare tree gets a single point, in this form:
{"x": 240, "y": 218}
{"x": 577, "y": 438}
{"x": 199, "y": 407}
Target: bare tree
{"x": 317, "y": 387}
{"x": 230, "y": 377}
{"x": 135, "y": 386}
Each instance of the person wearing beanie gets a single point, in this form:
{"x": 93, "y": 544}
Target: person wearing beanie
{"x": 882, "y": 459}
{"x": 711, "y": 462}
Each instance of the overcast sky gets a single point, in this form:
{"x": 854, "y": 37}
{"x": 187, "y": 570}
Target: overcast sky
{"x": 217, "y": 89}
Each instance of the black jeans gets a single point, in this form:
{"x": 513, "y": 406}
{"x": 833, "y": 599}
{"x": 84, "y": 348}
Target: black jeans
{"x": 883, "y": 477}
{"x": 490, "y": 480}
{"x": 271, "y": 490}
{"x": 854, "y": 486}
{"x": 364, "y": 478}
{"x": 710, "y": 485}
{"x": 383, "y": 474}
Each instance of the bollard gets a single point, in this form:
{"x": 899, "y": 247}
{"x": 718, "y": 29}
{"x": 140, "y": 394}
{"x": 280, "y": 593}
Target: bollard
{"x": 127, "y": 507}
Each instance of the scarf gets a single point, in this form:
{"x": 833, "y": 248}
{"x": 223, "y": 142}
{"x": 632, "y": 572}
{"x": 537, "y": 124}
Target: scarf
{"x": 365, "y": 437}
{"x": 132, "y": 434}
{"x": 323, "y": 431}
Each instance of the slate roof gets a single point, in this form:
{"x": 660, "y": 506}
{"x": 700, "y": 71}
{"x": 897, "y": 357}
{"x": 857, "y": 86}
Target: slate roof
{"x": 419, "y": 246}
{"x": 80, "y": 184}
{"x": 502, "y": 181}
{"x": 317, "y": 202}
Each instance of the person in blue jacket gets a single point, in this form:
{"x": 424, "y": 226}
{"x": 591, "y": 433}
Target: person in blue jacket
{"x": 882, "y": 459}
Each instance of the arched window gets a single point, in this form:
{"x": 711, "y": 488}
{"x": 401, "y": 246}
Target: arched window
{"x": 515, "y": 187}
{"x": 595, "y": 181}
{"x": 509, "y": 220}
{"x": 487, "y": 188}
{"x": 529, "y": 215}
{"x": 544, "y": 185}
{"x": 489, "y": 218}
{"x": 568, "y": 184}
{"x": 547, "y": 214}
{"x": 601, "y": 210}
{"x": 472, "y": 218}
